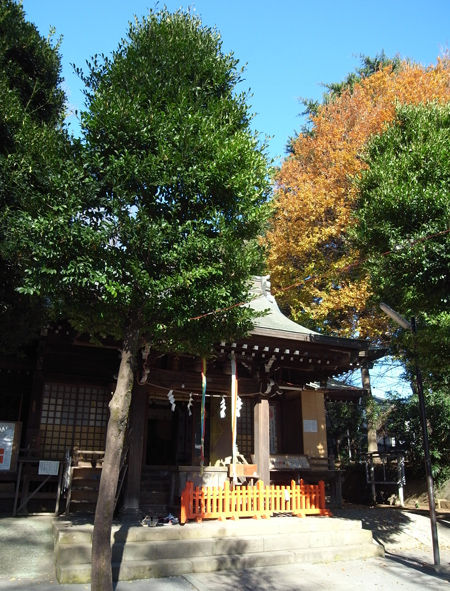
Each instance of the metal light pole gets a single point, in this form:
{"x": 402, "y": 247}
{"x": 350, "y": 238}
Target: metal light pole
{"x": 423, "y": 419}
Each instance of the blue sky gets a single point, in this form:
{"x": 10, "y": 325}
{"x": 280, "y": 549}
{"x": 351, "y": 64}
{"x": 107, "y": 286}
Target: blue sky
{"x": 290, "y": 46}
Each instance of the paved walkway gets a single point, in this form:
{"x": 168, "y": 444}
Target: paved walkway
{"x": 26, "y": 561}
{"x": 397, "y": 529}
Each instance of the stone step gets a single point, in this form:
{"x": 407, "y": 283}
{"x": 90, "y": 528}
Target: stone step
{"x": 145, "y": 569}
{"x": 211, "y": 547}
{"x": 66, "y": 533}
{"x": 145, "y": 552}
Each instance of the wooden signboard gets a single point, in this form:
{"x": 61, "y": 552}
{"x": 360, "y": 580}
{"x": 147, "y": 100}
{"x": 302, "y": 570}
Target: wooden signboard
{"x": 249, "y": 470}
{"x": 289, "y": 462}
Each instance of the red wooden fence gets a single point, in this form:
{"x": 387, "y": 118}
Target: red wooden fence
{"x": 252, "y": 501}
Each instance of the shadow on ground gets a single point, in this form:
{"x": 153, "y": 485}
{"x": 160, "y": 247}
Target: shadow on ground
{"x": 385, "y": 523}
{"x": 420, "y": 566}
{"x": 395, "y": 527}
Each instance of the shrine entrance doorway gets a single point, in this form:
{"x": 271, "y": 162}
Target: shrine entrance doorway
{"x": 169, "y": 434}
{"x": 161, "y": 435}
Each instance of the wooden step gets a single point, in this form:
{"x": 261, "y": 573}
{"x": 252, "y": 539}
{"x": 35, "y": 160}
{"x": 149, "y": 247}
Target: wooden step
{"x": 86, "y": 474}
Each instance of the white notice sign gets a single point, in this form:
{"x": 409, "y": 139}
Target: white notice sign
{"x": 310, "y": 426}
{"x": 48, "y": 468}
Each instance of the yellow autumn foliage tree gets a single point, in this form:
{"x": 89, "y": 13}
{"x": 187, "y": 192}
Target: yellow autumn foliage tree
{"x": 314, "y": 270}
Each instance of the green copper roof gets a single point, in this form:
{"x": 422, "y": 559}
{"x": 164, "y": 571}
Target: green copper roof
{"x": 263, "y": 300}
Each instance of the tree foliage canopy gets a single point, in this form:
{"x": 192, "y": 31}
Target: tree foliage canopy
{"x": 31, "y": 143}
{"x": 157, "y": 215}
{"x": 369, "y": 66}
{"x": 29, "y": 69}
{"x": 402, "y": 421}
{"x": 316, "y": 196}
{"x": 404, "y": 198}
{"x": 152, "y": 219}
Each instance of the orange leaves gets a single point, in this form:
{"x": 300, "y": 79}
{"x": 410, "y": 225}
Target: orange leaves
{"x": 316, "y": 195}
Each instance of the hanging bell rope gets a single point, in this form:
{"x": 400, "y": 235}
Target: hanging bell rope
{"x": 234, "y": 397}
{"x": 202, "y": 417}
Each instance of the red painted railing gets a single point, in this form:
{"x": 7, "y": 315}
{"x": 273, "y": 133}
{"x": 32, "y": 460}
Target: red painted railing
{"x": 252, "y": 501}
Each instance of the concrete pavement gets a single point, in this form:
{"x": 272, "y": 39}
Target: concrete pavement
{"x": 392, "y": 572}
{"x": 26, "y": 561}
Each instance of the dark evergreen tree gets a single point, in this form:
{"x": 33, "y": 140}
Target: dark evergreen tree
{"x": 160, "y": 221}
{"x": 31, "y": 112}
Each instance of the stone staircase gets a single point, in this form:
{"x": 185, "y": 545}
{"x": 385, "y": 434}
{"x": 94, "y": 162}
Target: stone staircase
{"x": 148, "y": 552}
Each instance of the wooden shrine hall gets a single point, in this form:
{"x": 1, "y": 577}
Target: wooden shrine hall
{"x": 58, "y": 400}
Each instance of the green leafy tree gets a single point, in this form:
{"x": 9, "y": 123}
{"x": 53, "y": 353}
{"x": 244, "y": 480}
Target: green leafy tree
{"x": 160, "y": 222}
{"x": 30, "y": 70}
{"x": 347, "y": 430}
{"x": 402, "y": 228}
{"x": 31, "y": 110}
{"x": 402, "y": 421}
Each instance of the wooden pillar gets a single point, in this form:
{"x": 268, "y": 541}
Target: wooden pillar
{"x": 262, "y": 441}
{"x": 372, "y": 445}
{"x": 32, "y": 435}
{"x": 136, "y": 432}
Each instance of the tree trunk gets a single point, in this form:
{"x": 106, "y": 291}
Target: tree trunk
{"x": 372, "y": 445}
{"x": 101, "y": 573}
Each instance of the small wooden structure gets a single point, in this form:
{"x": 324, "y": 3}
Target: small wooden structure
{"x": 33, "y": 476}
{"x": 386, "y": 469}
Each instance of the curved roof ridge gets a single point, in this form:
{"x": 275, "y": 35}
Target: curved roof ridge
{"x": 263, "y": 300}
